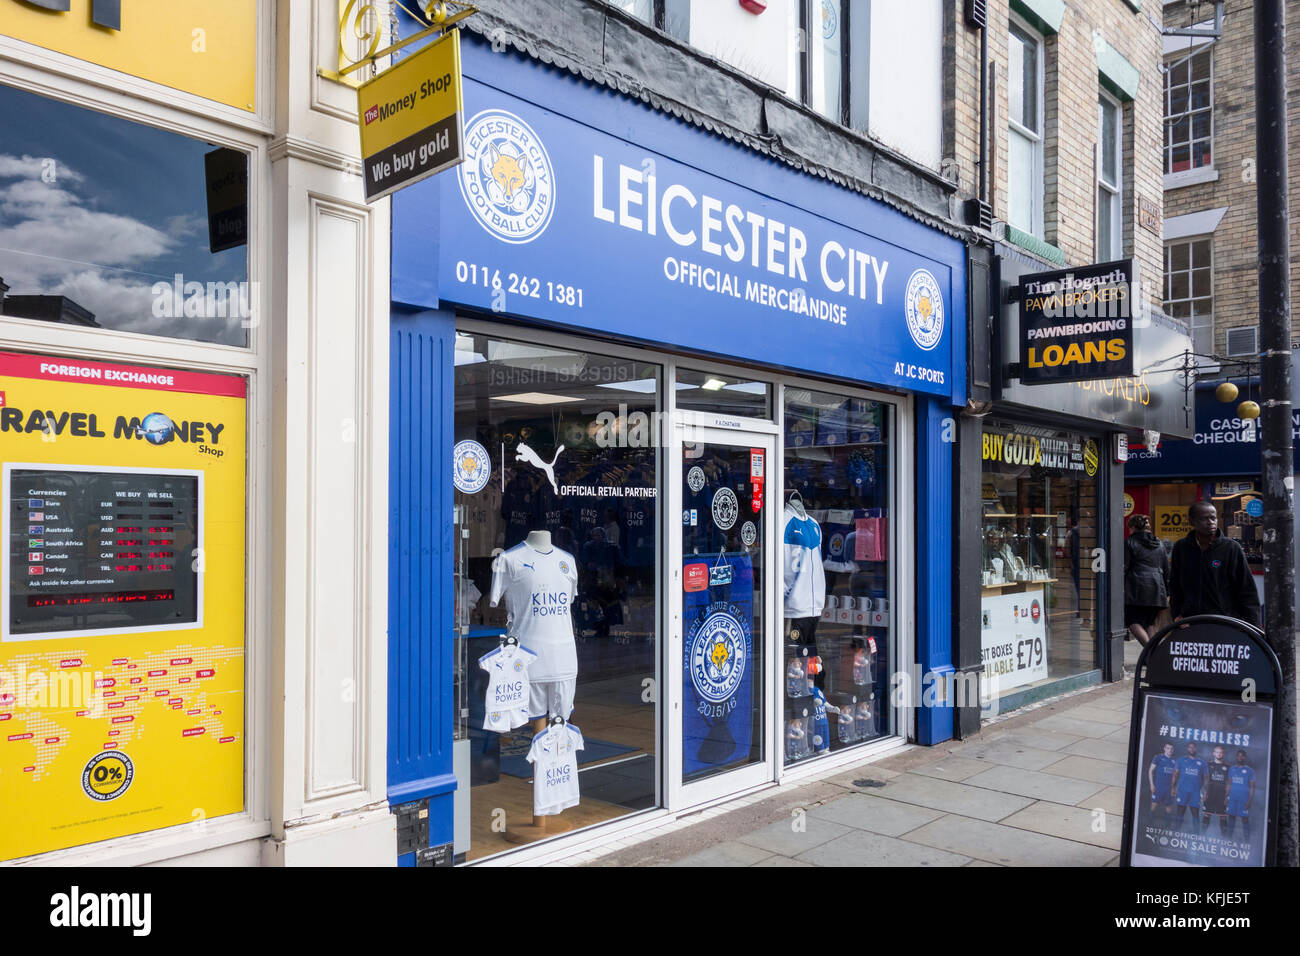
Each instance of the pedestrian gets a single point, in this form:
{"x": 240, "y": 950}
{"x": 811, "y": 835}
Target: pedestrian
{"x": 1146, "y": 579}
{"x": 1208, "y": 573}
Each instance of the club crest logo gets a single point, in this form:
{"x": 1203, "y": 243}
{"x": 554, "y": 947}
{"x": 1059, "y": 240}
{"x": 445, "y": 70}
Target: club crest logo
{"x": 564, "y": 567}
{"x": 471, "y": 467}
{"x": 718, "y": 655}
{"x": 1035, "y": 611}
{"x": 923, "y": 304}
{"x": 830, "y": 19}
{"x": 748, "y": 534}
{"x": 726, "y": 508}
{"x": 695, "y": 479}
{"x": 507, "y": 179}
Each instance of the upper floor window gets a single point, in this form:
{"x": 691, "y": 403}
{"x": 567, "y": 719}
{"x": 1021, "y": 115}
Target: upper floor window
{"x": 1189, "y": 113}
{"x": 1025, "y": 134}
{"x": 1110, "y": 173}
{"x": 1189, "y": 289}
{"x": 671, "y": 16}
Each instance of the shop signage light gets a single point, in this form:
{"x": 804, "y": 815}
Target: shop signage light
{"x": 1077, "y": 324}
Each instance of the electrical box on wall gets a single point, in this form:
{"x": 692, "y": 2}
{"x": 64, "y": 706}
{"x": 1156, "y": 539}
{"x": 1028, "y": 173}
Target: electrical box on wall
{"x": 412, "y": 826}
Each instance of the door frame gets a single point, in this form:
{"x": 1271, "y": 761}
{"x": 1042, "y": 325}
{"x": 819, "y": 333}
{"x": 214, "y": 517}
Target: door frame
{"x": 733, "y": 431}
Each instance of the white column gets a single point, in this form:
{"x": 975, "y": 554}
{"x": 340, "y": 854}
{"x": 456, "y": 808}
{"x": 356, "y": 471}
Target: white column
{"x": 329, "y": 435}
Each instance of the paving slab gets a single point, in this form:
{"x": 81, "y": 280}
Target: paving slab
{"x": 1012, "y": 754}
{"x": 1069, "y": 823}
{"x": 1032, "y": 783}
{"x": 782, "y": 837}
{"x": 1067, "y": 723}
{"x": 871, "y": 772}
{"x": 868, "y": 812}
{"x": 951, "y": 797}
{"x": 1089, "y": 768}
{"x": 781, "y": 861}
{"x": 1111, "y": 800}
{"x": 1032, "y": 736}
{"x": 1006, "y": 845}
{"x": 1101, "y": 715}
{"x": 872, "y": 849}
{"x": 1111, "y": 750}
{"x": 952, "y": 768}
{"x": 1121, "y": 733}
{"x": 731, "y": 853}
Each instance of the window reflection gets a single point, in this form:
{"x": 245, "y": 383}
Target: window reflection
{"x": 105, "y": 223}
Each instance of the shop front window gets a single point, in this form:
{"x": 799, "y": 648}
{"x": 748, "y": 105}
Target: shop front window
{"x": 109, "y": 224}
{"x": 1041, "y": 561}
{"x": 837, "y": 534}
{"x": 557, "y": 477}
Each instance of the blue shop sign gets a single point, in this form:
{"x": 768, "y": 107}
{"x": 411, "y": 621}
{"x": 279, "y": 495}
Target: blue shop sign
{"x": 649, "y": 235}
{"x": 1223, "y": 444}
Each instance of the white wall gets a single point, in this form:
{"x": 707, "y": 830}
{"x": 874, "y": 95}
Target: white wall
{"x": 759, "y": 45}
{"x": 906, "y": 105}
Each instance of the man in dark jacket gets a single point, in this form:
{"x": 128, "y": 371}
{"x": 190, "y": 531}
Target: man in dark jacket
{"x": 1209, "y": 574}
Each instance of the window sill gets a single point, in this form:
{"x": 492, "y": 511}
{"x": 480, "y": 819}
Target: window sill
{"x": 1191, "y": 177}
{"x": 1035, "y": 245}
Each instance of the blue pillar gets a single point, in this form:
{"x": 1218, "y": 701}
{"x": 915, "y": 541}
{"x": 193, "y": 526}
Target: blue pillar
{"x": 936, "y": 431}
{"x": 420, "y": 637}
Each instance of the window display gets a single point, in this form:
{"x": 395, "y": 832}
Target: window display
{"x": 556, "y": 467}
{"x": 1039, "y": 587}
{"x": 837, "y": 572}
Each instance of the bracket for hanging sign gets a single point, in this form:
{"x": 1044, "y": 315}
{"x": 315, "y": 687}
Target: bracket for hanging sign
{"x": 361, "y": 20}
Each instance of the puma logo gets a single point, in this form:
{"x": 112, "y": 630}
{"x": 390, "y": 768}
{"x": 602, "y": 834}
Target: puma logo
{"x": 524, "y": 453}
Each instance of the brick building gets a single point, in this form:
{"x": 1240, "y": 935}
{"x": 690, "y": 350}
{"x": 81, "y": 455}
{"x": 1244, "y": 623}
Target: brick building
{"x": 1211, "y": 263}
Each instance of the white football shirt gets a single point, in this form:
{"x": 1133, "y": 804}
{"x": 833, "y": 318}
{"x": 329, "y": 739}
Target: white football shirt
{"x": 506, "y": 706}
{"x": 554, "y": 756}
{"x": 539, "y": 588}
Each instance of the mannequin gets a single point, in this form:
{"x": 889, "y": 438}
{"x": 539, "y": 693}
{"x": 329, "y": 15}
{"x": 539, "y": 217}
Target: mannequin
{"x": 539, "y": 583}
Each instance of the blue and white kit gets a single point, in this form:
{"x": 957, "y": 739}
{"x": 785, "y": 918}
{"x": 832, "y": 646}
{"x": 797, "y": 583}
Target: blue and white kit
{"x": 804, "y": 577}
{"x": 506, "y": 706}
{"x": 1191, "y": 774}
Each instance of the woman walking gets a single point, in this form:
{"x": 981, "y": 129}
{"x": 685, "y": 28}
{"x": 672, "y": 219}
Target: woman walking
{"x": 1146, "y": 578}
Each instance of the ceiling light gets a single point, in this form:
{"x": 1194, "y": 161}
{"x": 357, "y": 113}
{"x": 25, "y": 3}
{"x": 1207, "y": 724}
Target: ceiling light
{"x": 713, "y": 384}
{"x": 535, "y": 398}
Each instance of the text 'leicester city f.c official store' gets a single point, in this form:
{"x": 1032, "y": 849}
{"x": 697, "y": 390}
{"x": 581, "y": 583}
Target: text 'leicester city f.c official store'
{"x": 670, "y": 502}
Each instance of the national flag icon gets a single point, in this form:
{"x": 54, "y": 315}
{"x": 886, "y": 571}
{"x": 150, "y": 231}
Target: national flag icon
{"x": 35, "y": 529}
{"x": 35, "y": 542}
{"x": 35, "y": 502}
{"x": 37, "y": 556}
{"x": 36, "y": 516}
{"x": 36, "y": 570}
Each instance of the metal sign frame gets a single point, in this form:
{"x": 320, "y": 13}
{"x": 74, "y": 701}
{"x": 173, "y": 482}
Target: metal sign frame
{"x": 1149, "y": 669}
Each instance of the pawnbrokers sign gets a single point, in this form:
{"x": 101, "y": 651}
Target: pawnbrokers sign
{"x": 1076, "y": 324}
{"x": 410, "y": 118}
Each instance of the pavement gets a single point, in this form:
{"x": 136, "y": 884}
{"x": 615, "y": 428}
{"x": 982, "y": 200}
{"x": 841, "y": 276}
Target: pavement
{"x": 1042, "y": 786}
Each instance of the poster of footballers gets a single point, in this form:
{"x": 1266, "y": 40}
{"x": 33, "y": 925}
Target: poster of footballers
{"x": 1202, "y": 786}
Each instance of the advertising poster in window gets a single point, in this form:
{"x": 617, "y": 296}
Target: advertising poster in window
{"x": 1202, "y": 791}
{"x": 121, "y": 599}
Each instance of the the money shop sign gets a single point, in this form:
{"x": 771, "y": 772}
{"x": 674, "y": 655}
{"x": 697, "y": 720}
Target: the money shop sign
{"x": 1077, "y": 324}
{"x": 410, "y": 118}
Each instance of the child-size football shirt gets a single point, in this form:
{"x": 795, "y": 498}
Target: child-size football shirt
{"x": 554, "y": 756}
{"x": 506, "y": 705}
{"x": 539, "y": 588}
